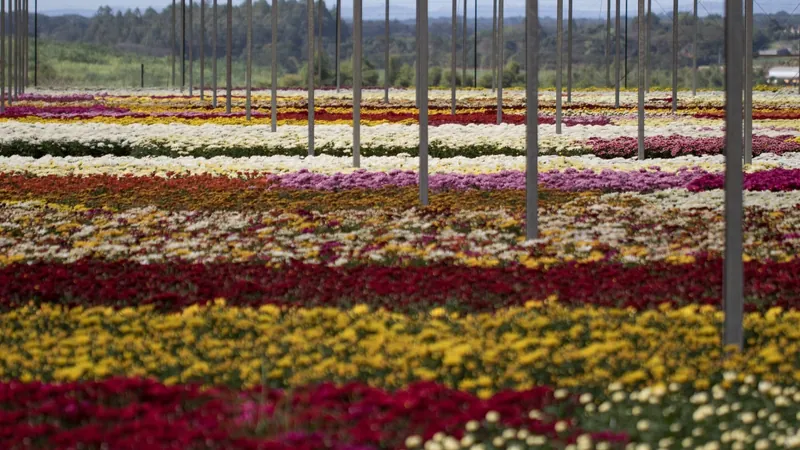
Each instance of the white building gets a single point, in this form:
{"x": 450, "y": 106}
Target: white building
{"x": 783, "y": 75}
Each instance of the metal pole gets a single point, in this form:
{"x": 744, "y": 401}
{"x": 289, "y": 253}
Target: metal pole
{"x": 616, "y": 57}
{"x": 532, "y": 120}
{"x": 494, "y": 44}
{"x": 475, "y": 48}
{"x": 385, "y": 56}
{"x": 748, "y": 81}
{"x": 500, "y": 61}
{"x": 142, "y": 76}
{"x": 249, "y": 74}
{"x": 35, "y": 43}
{"x": 2, "y": 57}
{"x": 464, "y": 47}
{"x": 172, "y": 45}
{"x": 191, "y": 55}
{"x": 202, "y": 50}
{"x": 228, "y": 58}
{"x": 25, "y": 47}
{"x": 10, "y": 58}
{"x": 733, "y": 293}
{"x": 338, "y": 40}
{"x": 559, "y": 59}
{"x": 453, "y": 61}
{"x": 648, "y": 35}
{"x": 422, "y": 57}
{"x": 642, "y": 37}
{"x": 274, "y": 68}
{"x": 183, "y": 44}
{"x": 310, "y": 7}
{"x": 417, "y": 65}
{"x": 674, "y": 56}
{"x": 214, "y": 54}
{"x": 357, "y": 43}
{"x": 694, "y": 52}
{"x": 608, "y": 43}
{"x": 569, "y": 51}
{"x": 15, "y": 56}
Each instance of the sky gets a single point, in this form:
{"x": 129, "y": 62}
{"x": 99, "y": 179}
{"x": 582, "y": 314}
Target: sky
{"x": 404, "y": 9}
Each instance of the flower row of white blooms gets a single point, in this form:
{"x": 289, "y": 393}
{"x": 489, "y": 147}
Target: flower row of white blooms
{"x": 495, "y": 234}
{"x": 327, "y": 164}
{"x": 759, "y": 416}
{"x": 779, "y": 98}
{"x": 183, "y": 139}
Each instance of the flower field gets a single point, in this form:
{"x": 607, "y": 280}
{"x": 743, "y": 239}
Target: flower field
{"x": 175, "y": 277}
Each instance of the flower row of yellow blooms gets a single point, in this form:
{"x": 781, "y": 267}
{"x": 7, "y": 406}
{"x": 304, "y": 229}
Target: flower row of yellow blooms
{"x": 542, "y": 343}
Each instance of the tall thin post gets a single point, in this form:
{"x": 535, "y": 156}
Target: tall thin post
{"x": 616, "y": 57}
{"x": 642, "y": 38}
{"x": 229, "y": 58}
{"x": 249, "y": 74}
{"x": 608, "y": 43}
{"x": 214, "y": 54}
{"x": 141, "y": 76}
{"x": 694, "y": 51}
{"x": 183, "y": 44}
{"x": 559, "y": 59}
{"x": 16, "y": 49}
{"x": 748, "y": 81}
{"x": 191, "y": 45}
{"x": 310, "y": 7}
{"x": 453, "y": 62}
{"x": 494, "y": 44}
{"x": 339, "y": 40}
{"x": 532, "y": 120}
{"x": 357, "y": 43}
{"x": 35, "y": 43}
{"x": 388, "y": 44}
{"x": 274, "y": 68}
{"x": 500, "y": 61}
{"x": 674, "y": 56}
{"x": 10, "y": 53}
{"x": 2, "y": 57}
{"x": 464, "y": 47}
{"x": 202, "y": 50}
{"x": 172, "y": 46}
{"x": 417, "y": 65}
{"x": 475, "y": 48}
{"x": 649, "y": 36}
{"x": 733, "y": 290}
{"x": 422, "y": 57}
{"x": 569, "y": 51}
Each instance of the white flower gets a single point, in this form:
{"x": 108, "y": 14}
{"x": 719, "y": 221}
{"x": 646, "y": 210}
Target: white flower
{"x": 472, "y": 425}
{"x": 413, "y": 441}
{"x": 643, "y": 425}
{"x": 492, "y": 416}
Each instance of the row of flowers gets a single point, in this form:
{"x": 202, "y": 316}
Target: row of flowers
{"x": 676, "y": 139}
{"x": 123, "y": 413}
{"x": 631, "y": 229}
{"x": 407, "y": 97}
{"x": 172, "y": 286}
{"x": 643, "y": 180}
{"x": 255, "y": 166}
{"x": 543, "y": 343}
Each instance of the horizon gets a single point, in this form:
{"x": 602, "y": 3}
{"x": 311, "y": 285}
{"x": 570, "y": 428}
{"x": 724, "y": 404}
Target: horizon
{"x": 438, "y": 9}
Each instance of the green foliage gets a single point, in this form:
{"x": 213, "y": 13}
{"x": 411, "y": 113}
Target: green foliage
{"x": 107, "y": 49}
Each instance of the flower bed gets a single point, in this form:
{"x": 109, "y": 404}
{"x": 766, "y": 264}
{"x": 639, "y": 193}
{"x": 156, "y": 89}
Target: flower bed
{"x": 174, "y": 277}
